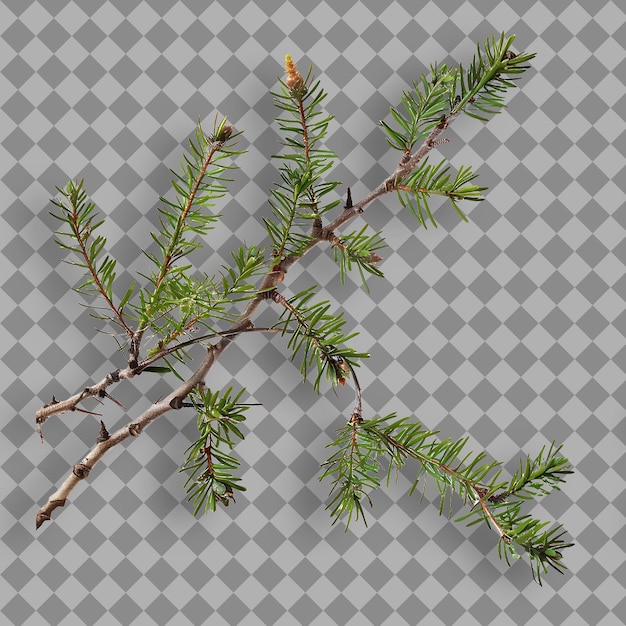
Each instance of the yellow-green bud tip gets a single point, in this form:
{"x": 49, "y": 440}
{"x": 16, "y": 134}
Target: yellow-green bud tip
{"x": 294, "y": 80}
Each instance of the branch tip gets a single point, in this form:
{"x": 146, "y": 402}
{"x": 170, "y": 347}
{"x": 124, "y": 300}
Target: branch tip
{"x": 44, "y": 514}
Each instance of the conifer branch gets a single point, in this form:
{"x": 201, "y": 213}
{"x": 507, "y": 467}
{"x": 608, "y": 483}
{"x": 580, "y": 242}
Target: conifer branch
{"x": 78, "y": 215}
{"x": 174, "y": 303}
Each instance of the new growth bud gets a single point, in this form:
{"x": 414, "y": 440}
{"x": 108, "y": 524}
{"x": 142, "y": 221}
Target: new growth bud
{"x": 224, "y": 133}
{"x": 294, "y": 80}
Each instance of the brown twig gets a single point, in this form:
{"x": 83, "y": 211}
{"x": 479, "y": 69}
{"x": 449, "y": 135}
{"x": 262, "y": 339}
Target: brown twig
{"x": 173, "y": 401}
{"x": 55, "y": 407}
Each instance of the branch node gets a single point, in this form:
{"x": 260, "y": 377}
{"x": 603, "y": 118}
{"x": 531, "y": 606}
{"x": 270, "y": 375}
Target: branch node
{"x": 433, "y": 143}
{"x": 334, "y": 240}
{"x": 81, "y": 470}
{"x": 135, "y": 429}
{"x": 497, "y": 498}
{"x": 278, "y": 271}
{"x": 176, "y": 403}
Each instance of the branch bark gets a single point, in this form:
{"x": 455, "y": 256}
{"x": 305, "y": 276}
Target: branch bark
{"x": 173, "y": 401}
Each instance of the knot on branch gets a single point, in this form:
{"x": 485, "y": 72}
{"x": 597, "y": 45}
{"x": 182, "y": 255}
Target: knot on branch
{"x": 175, "y": 403}
{"x": 481, "y": 492}
{"x": 113, "y": 377}
{"x": 135, "y": 429}
{"x": 277, "y": 297}
{"x": 357, "y": 418}
{"x": 133, "y": 351}
{"x": 443, "y": 122}
{"x": 81, "y": 470}
{"x": 317, "y": 228}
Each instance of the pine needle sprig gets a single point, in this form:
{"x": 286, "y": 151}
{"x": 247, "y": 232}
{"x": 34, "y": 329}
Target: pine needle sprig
{"x": 422, "y": 108}
{"x": 200, "y": 181}
{"x": 491, "y": 73}
{"x": 428, "y": 180}
{"x": 82, "y": 221}
{"x": 355, "y": 468}
{"x": 316, "y": 336}
{"x": 428, "y": 110}
{"x": 359, "y": 249}
{"x": 299, "y": 195}
{"x": 210, "y": 464}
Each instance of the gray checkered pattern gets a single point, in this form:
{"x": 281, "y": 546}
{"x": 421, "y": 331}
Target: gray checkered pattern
{"x": 511, "y": 328}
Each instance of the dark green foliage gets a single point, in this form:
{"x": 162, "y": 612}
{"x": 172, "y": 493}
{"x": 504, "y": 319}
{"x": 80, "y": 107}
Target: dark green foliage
{"x": 423, "y": 108}
{"x": 176, "y": 299}
{"x": 209, "y": 461}
{"x": 483, "y": 85}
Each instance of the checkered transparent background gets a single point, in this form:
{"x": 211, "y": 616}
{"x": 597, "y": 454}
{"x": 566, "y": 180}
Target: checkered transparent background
{"x": 510, "y": 329}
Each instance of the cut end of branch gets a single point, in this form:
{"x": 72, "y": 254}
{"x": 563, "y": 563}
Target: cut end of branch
{"x": 44, "y": 514}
